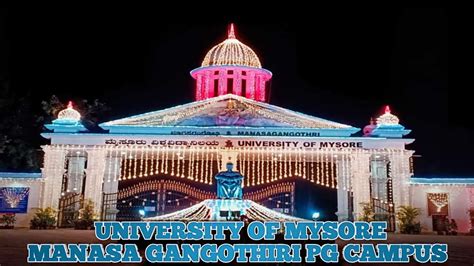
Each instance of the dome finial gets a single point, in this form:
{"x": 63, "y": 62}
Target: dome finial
{"x": 69, "y": 104}
{"x": 387, "y": 118}
{"x": 231, "y": 33}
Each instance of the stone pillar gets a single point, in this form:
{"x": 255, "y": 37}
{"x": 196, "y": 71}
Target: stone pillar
{"x": 75, "y": 172}
{"x": 111, "y": 180}
{"x": 343, "y": 173}
{"x": 52, "y": 172}
{"x": 378, "y": 173}
{"x": 94, "y": 176}
{"x": 400, "y": 173}
{"x": 360, "y": 181}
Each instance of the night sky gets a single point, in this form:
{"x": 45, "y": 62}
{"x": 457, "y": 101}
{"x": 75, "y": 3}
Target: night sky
{"x": 342, "y": 65}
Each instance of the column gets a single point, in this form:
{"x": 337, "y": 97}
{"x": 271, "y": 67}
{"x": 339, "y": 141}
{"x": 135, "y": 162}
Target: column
{"x": 250, "y": 85}
{"x": 378, "y": 173}
{"x": 207, "y": 85}
{"x": 222, "y": 82}
{"x": 360, "y": 181}
{"x": 343, "y": 176}
{"x": 94, "y": 176}
{"x": 111, "y": 180}
{"x": 75, "y": 172}
{"x": 52, "y": 172}
{"x": 237, "y": 86}
{"x": 199, "y": 91}
{"x": 400, "y": 173}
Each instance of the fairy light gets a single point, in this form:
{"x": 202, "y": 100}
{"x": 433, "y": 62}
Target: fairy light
{"x": 152, "y": 160}
{"x": 178, "y": 162}
{"x": 142, "y": 151}
{"x": 145, "y": 174}
{"x": 117, "y": 165}
{"x": 129, "y": 163}
{"x": 280, "y": 170}
{"x": 263, "y": 110}
{"x": 312, "y": 165}
{"x": 201, "y": 163}
{"x": 290, "y": 165}
{"x": 253, "y": 166}
{"x": 191, "y": 164}
{"x": 318, "y": 167}
{"x": 69, "y": 113}
{"x": 259, "y": 167}
{"x": 109, "y": 165}
{"x": 285, "y": 164}
{"x": 160, "y": 157}
{"x": 269, "y": 159}
{"x": 326, "y": 168}
{"x": 332, "y": 169}
{"x": 304, "y": 165}
{"x": 212, "y": 168}
{"x": 166, "y": 161}
{"x": 183, "y": 163}
{"x": 206, "y": 167}
{"x": 173, "y": 162}
{"x": 387, "y": 118}
{"x": 231, "y": 52}
{"x": 135, "y": 161}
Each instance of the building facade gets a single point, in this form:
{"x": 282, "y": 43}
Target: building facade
{"x": 165, "y": 160}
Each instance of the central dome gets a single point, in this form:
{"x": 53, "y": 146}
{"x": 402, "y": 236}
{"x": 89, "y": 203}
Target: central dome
{"x": 231, "y": 52}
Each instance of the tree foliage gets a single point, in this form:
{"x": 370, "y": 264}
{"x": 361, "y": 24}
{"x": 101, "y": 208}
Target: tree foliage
{"x": 23, "y": 120}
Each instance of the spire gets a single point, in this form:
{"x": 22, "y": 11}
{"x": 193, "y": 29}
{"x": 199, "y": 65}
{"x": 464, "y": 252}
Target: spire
{"x": 69, "y": 104}
{"x": 387, "y": 109}
{"x": 231, "y": 33}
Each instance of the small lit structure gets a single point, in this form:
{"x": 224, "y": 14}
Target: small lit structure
{"x": 68, "y": 121}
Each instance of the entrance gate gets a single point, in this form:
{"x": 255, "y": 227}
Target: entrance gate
{"x": 69, "y": 206}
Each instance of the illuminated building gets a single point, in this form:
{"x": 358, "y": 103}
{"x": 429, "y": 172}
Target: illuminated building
{"x": 165, "y": 160}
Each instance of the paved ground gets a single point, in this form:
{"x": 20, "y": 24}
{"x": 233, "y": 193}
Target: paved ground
{"x": 13, "y": 244}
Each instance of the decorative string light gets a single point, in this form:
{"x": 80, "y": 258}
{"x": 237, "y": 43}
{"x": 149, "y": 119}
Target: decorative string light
{"x": 280, "y": 166}
{"x": 269, "y": 160}
{"x": 304, "y": 165}
{"x": 145, "y": 174}
{"x": 326, "y": 169}
{"x": 318, "y": 168}
{"x": 312, "y": 165}
{"x": 253, "y": 166}
{"x": 191, "y": 165}
{"x": 202, "y": 176}
{"x": 212, "y": 168}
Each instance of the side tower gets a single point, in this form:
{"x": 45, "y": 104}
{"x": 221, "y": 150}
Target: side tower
{"x": 231, "y": 67}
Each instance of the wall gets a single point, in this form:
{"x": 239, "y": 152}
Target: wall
{"x": 31, "y": 180}
{"x": 459, "y": 201}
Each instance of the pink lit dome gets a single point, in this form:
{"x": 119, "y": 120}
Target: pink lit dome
{"x": 231, "y": 67}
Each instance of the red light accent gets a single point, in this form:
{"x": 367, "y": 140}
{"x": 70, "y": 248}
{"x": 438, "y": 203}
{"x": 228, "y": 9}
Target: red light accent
{"x": 69, "y": 104}
{"x": 231, "y": 33}
{"x": 387, "y": 109}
